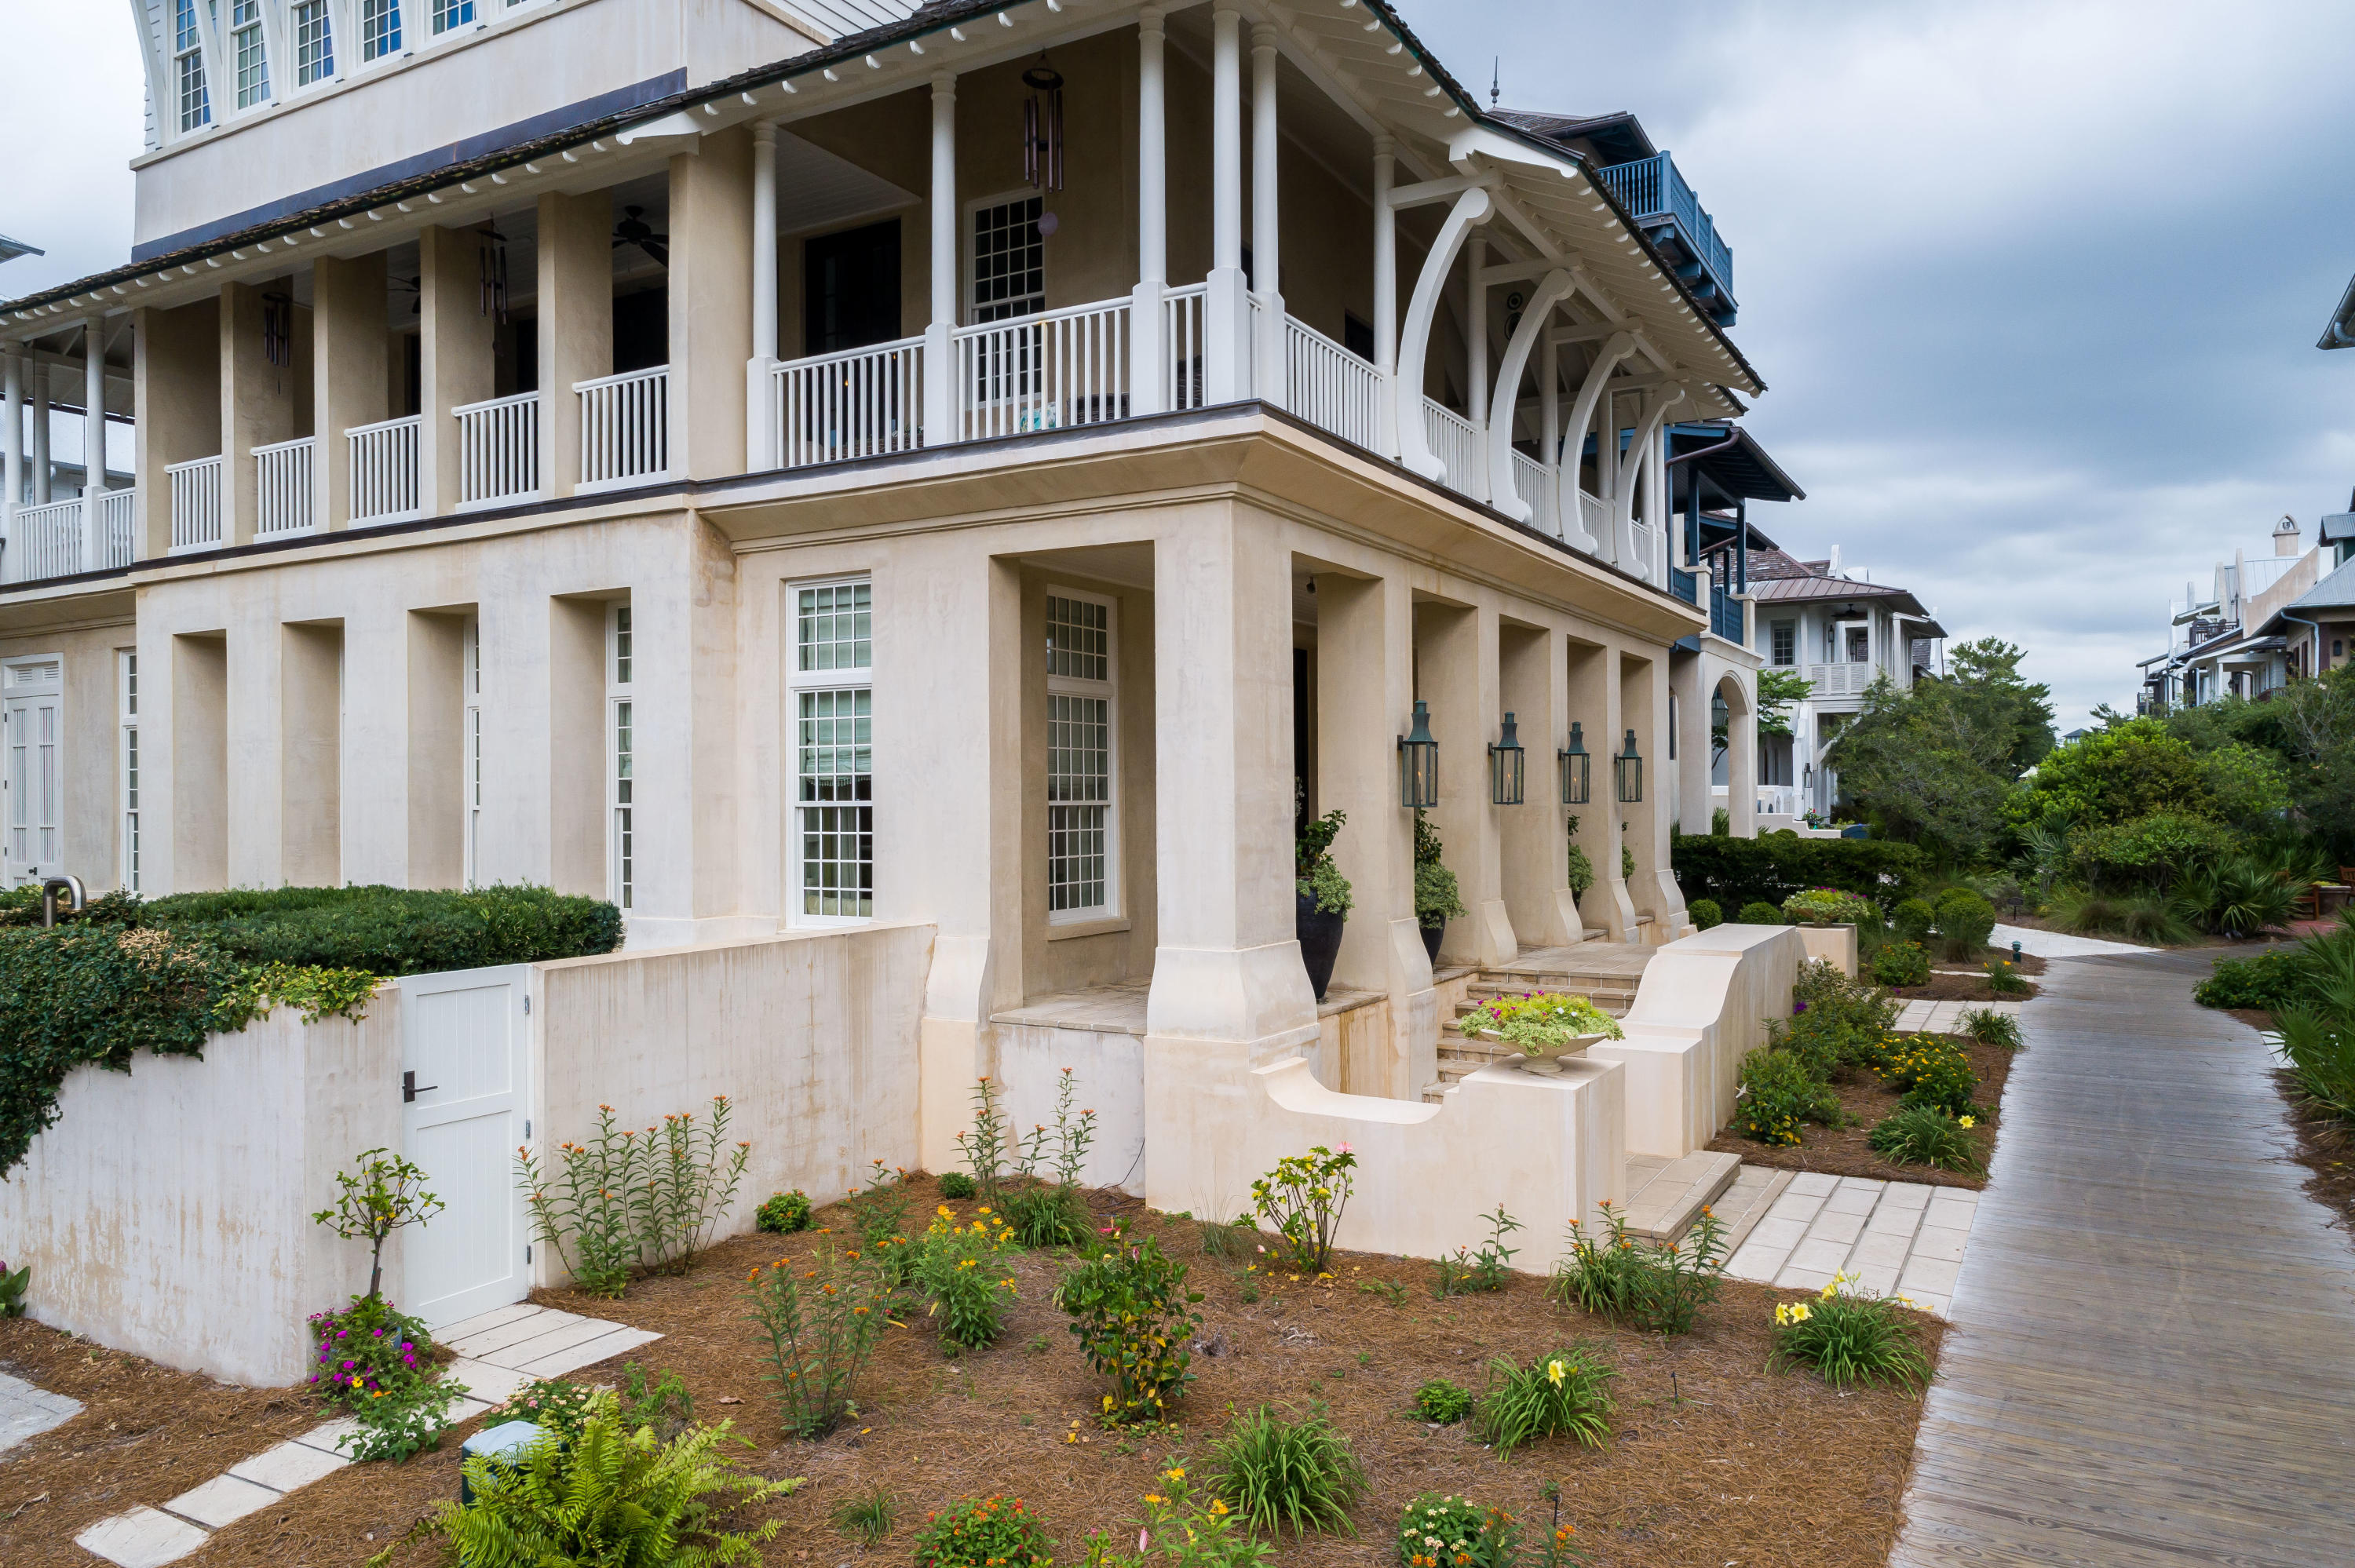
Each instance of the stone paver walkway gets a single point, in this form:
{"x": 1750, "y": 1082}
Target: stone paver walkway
{"x": 28, "y": 1410}
{"x": 2153, "y": 1358}
{"x": 498, "y": 1353}
{"x": 1919, "y": 1017}
{"x": 1889, "y": 1237}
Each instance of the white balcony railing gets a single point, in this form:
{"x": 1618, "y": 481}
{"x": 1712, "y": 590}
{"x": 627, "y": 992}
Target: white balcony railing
{"x": 1185, "y": 381}
{"x": 624, "y": 427}
{"x": 282, "y": 488}
{"x": 1779, "y": 800}
{"x": 48, "y": 542}
{"x": 1045, "y": 372}
{"x": 498, "y": 449}
{"x": 383, "y": 470}
{"x": 1843, "y": 680}
{"x": 1533, "y": 482}
{"x": 118, "y": 521}
{"x": 860, "y": 403}
{"x": 196, "y": 503}
{"x": 1330, "y": 387}
{"x": 1454, "y": 441}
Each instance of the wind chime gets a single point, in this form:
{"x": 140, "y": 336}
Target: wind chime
{"x": 278, "y": 331}
{"x": 1042, "y": 126}
{"x": 493, "y": 257}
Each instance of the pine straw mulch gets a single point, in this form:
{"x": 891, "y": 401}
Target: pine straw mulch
{"x": 1971, "y": 987}
{"x": 1845, "y": 1152}
{"x": 2326, "y": 1146}
{"x": 1712, "y": 1458}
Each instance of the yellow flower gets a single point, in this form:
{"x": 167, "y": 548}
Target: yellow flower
{"x": 1554, "y": 1372}
{"x": 1969, "y": 1121}
{"x": 1176, "y": 1475}
{"x": 1219, "y": 1507}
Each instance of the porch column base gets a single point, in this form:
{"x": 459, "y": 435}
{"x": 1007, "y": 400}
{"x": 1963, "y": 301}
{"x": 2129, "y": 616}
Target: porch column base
{"x": 940, "y": 385}
{"x": 1255, "y": 997}
{"x": 760, "y": 414}
{"x": 1227, "y": 331}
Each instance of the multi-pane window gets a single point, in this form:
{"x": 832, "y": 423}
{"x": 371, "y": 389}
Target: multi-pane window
{"x": 1009, "y": 260}
{"x": 471, "y": 740}
{"x": 1082, "y": 843}
{"x": 252, "y": 60}
{"x": 621, "y": 787}
{"x": 380, "y": 28}
{"x": 315, "y": 43}
{"x": 449, "y": 14}
{"x": 1784, "y": 643}
{"x": 833, "y": 750}
{"x": 188, "y": 67}
{"x": 127, "y": 686}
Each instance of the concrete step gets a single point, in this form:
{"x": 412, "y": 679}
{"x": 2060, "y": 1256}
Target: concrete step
{"x": 1666, "y": 1196}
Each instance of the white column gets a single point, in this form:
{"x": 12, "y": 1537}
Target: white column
{"x": 38, "y": 390}
{"x": 1267, "y": 273}
{"x": 12, "y": 436}
{"x": 759, "y": 385}
{"x": 1549, "y": 412}
{"x": 1147, "y": 372}
{"x": 940, "y": 344}
{"x": 1227, "y": 311}
{"x": 93, "y": 438}
{"x": 1386, "y": 292}
{"x": 1476, "y": 331}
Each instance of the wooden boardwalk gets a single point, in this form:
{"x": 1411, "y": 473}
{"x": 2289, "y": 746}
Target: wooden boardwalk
{"x": 2153, "y": 1363}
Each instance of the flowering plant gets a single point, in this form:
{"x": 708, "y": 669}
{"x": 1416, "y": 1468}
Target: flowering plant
{"x": 1830, "y": 907}
{"x": 12, "y": 1289}
{"x": 972, "y": 1532}
{"x": 1850, "y": 1336}
{"x": 367, "y": 1353}
{"x": 1537, "y": 1021}
{"x": 1133, "y": 1316}
{"x": 1443, "y": 1531}
{"x": 1178, "y": 1528}
{"x": 964, "y": 1269}
{"x": 819, "y": 1325}
{"x": 1305, "y": 1195}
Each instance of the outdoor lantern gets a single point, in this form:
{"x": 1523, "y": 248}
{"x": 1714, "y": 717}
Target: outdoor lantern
{"x": 1505, "y": 766}
{"x": 1574, "y": 768}
{"x": 1419, "y": 762}
{"x": 1630, "y": 768}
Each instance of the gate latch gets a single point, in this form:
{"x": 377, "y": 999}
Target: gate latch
{"x": 410, "y": 1089}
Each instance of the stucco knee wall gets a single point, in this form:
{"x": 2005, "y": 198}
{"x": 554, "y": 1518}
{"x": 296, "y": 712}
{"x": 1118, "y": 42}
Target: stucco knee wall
{"x": 1703, "y": 1005}
{"x": 168, "y": 1211}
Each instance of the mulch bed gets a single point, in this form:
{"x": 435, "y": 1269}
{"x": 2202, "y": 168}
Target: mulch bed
{"x": 1712, "y": 1458}
{"x": 1959, "y": 988}
{"x": 1845, "y": 1151}
{"x": 2326, "y": 1146}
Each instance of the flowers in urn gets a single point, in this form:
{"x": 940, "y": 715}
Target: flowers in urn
{"x": 1541, "y": 1023}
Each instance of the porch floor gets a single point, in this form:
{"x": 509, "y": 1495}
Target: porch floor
{"x": 1120, "y": 1009}
{"x": 1591, "y": 960}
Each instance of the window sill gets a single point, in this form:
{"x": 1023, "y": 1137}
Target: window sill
{"x": 1105, "y": 927}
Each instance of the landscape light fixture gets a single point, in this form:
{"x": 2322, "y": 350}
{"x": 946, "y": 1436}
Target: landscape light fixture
{"x": 1575, "y": 767}
{"x": 1630, "y": 768}
{"x": 1419, "y": 762}
{"x": 1505, "y": 771}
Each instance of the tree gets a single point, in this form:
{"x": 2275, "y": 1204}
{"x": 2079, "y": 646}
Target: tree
{"x": 1778, "y": 690}
{"x": 1930, "y": 766}
{"x": 1985, "y": 679}
{"x": 387, "y": 1193}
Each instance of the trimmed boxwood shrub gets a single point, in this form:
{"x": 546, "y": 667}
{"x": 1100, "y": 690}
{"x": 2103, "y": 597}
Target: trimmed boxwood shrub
{"x": 1705, "y": 913}
{"x": 1735, "y": 871}
{"x": 2271, "y": 981}
{"x": 1966, "y": 920}
{"x": 391, "y": 930}
{"x": 1761, "y": 913}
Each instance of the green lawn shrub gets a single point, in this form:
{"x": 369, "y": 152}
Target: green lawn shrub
{"x": 1931, "y": 1070}
{"x": 1567, "y": 1393}
{"x": 1926, "y": 1135}
{"x": 1830, "y": 906}
{"x": 1849, "y": 1338}
{"x": 958, "y": 1186}
{"x": 1443, "y": 1402}
{"x": 2273, "y": 982}
{"x": 1914, "y": 919}
{"x": 781, "y": 1214}
{"x": 963, "y": 1268}
{"x": 390, "y": 931}
{"x": 1705, "y": 913}
{"x": 1133, "y": 1316}
{"x": 1965, "y": 922}
{"x": 1760, "y": 913}
{"x": 1772, "y": 867}
{"x": 1274, "y": 1472}
{"x": 1901, "y": 963}
{"x": 1777, "y": 1095}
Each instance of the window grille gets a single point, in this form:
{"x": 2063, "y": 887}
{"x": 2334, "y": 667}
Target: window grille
{"x": 315, "y": 44}
{"x": 449, "y": 14}
{"x": 252, "y": 61}
{"x": 129, "y": 719}
{"x": 188, "y": 67}
{"x": 380, "y": 28}
{"x": 470, "y": 691}
{"x": 621, "y": 774}
{"x": 834, "y": 735}
{"x": 1786, "y": 634}
{"x": 1009, "y": 260}
{"x": 1081, "y": 838}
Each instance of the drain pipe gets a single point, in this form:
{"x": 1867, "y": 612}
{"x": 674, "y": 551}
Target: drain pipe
{"x": 71, "y": 887}
{"x": 2316, "y": 667}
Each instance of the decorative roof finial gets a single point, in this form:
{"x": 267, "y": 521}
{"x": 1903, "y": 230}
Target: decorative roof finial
{"x": 1496, "y": 79}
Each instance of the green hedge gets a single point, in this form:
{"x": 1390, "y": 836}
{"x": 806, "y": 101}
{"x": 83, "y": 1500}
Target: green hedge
{"x": 1735, "y": 871}
{"x": 390, "y": 931}
{"x": 2273, "y": 982}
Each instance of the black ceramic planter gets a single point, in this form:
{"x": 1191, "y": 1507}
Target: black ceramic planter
{"x": 1320, "y": 942}
{"x": 1431, "y": 935}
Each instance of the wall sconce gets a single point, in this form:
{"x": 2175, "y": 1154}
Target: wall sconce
{"x": 1575, "y": 771}
{"x": 1505, "y": 769}
{"x": 1630, "y": 768}
{"x": 1419, "y": 762}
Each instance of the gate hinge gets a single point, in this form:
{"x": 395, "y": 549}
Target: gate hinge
{"x": 527, "y": 1127}
{"x": 527, "y": 1004}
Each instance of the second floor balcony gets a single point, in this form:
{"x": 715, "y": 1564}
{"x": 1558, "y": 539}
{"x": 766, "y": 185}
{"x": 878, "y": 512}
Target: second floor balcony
{"x": 1658, "y": 197}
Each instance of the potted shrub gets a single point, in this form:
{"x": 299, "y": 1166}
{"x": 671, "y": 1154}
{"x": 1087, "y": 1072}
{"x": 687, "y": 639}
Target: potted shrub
{"x": 1437, "y": 897}
{"x": 1542, "y": 1026}
{"x": 1324, "y": 898}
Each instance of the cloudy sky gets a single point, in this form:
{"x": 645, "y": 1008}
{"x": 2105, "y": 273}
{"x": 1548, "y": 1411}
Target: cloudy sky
{"x": 2035, "y": 287}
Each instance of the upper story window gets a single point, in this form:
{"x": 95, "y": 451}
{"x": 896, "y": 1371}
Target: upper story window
{"x": 315, "y": 43}
{"x": 449, "y": 14}
{"x": 188, "y": 67}
{"x": 1860, "y": 644}
{"x": 252, "y": 60}
{"x": 1009, "y": 260}
{"x": 380, "y": 28}
{"x": 1783, "y": 642}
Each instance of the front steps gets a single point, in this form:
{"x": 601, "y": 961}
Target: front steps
{"x": 1666, "y": 1196}
{"x": 1605, "y": 973}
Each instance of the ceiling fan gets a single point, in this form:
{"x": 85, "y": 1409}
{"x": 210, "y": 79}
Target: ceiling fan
{"x": 634, "y": 229}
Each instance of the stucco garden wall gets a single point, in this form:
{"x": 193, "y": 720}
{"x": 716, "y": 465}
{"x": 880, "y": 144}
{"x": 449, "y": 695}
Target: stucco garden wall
{"x": 1702, "y": 1006}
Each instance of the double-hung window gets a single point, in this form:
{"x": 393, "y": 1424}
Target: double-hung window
{"x": 833, "y": 698}
{"x": 127, "y": 699}
{"x": 188, "y": 67}
{"x": 1009, "y": 281}
{"x": 471, "y": 744}
{"x": 449, "y": 14}
{"x": 380, "y": 28}
{"x": 1083, "y": 713}
{"x": 1784, "y": 641}
{"x": 252, "y": 59}
{"x": 621, "y": 754}
{"x": 315, "y": 43}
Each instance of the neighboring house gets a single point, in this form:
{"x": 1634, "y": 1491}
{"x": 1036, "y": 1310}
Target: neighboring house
{"x": 2232, "y": 640}
{"x": 1842, "y": 632}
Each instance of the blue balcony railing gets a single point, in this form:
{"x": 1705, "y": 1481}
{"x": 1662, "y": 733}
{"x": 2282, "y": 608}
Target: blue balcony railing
{"x": 1684, "y": 585}
{"x": 1653, "y": 192}
{"x": 1725, "y": 612}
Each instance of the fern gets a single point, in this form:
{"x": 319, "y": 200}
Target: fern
{"x": 614, "y": 1496}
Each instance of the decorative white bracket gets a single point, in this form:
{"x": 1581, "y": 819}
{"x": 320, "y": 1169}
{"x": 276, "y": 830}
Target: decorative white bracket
{"x": 1471, "y": 207}
{"x": 1554, "y": 286}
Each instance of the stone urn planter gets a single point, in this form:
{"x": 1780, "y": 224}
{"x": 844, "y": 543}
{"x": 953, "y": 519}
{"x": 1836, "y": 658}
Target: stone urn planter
{"x": 1320, "y": 942}
{"x": 1547, "y": 1057}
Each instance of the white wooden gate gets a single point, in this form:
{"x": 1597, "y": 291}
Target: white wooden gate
{"x": 465, "y": 1058}
{"x": 32, "y": 742}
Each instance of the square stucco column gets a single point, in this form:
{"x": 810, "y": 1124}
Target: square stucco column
{"x": 1740, "y": 691}
{"x": 1459, "y": 678}
{"x": 1227, "y": 972}
{"x": 1364, "y": 692}
{"x": 257, "y": 404}
{"x": 710, "y": 303}
{"x": 1690, "y": 810}
{"x": 1531, "y": 857}
{"x": 455, "y": 358}
{"x": 1644, "y": 707}
{"x": 576, "y": 324}
{"x": 350, "y": 358}
{"x": 1594, "y": 707}
{"x": 176, "y": 386}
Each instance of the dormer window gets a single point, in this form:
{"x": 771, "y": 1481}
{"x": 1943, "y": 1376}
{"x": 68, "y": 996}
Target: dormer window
{"x": 189, "y": 67}
{"x": 380, "y": 28}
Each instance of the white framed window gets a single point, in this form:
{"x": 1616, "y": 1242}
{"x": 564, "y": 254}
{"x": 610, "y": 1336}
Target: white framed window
{"x": 621, "y": 758}
{"x": 126, "y": 670}
{"x": 832, "y": 700}
{"x": 1783, "y": 639}
{"x": 32, "y": 767}
{"x": 188, "y": 67}
{"x": 470, "y": 740}
{"x": 315, "y": 43}
{"x": 252, "y": 58}
{"x": 380, "y": 28}
{"x": 1006, "y": 260}
{"x": 449, "y": 14}
{"x": 1083, "y": 774}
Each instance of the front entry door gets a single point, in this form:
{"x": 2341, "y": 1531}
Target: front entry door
{"x": 31, "y": 744}
{"x": 465, "y": 1055}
